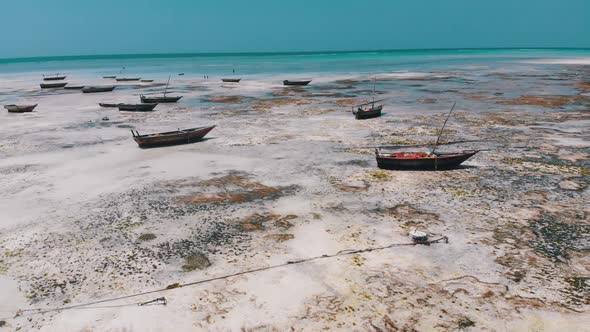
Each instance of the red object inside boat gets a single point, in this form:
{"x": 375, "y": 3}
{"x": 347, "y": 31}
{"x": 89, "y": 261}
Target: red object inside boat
{"x": 412, "y": 155}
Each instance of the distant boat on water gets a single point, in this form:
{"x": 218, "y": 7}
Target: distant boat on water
{"x": 137, "y": 107}
{"x": 110, "y": 76}
{"x": 53, "y": 85}
{"x": 289, "y": 82}
{"x": 19, "y": 108}
{"x": 176, "y": 137}
{"x": 54, "y": 77}
{"x": 147, "y": 81}
{"x": 231, "y": 80}
{"x": 94, "y": 89}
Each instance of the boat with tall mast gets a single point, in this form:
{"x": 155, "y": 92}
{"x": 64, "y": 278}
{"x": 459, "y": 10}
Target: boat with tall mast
{"x": 424, "y": 161}
{"x": 362, "y": 113}
{"x": 160, "y": 99}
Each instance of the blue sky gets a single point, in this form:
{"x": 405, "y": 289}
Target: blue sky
{"x": 79, "y": 27}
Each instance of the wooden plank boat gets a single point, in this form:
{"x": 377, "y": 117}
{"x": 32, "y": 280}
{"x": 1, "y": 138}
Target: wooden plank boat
{"x": 53, "y": 85}
{"x": 184, "y": 136}
{"x": 421, "y": 160}
{"x": 54, "y": 77}
{"x": 231, "y": 80}
{"x": 108, "y": 104}
{"x": 159, "y": 99}
{"x": 367, "y": 113}
{"x": 126, "y": 79}
{"x": 137, "y": 107}
{"x": 20, "y": 108}
{"x": 73, "y": 87}
{"x": 94, "y": 89}
{"x": 110, "y": 76}
{"x": 288, "y": 82}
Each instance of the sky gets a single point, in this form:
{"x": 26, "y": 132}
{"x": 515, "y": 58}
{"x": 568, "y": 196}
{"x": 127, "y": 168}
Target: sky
{"x": 88, "y": 27}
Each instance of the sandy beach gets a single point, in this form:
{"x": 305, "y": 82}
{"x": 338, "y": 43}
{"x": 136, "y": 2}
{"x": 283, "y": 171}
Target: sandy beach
{"x": 289, "y": 174}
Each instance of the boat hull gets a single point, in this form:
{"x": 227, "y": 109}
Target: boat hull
{"x": 136, "y": 107}
{"x": 74, "y": 87}
{"x": 361, "y": 114}
{"x": 54, "y": 78}
{"x": 108, "y": 105}
{"x": 110, "y": 76}
{"x": 95, "y": 89}
{"x": 52, "y": 85}
{"x": 231, "y": 80}
{"x": 172, "y": 138}
{"x": 297, "y": 83}
{"x": 174, "y": 99}
{"x": 127, "y": 79}
{"x": 20, "y": 108}
{"x": 443, "y": 162}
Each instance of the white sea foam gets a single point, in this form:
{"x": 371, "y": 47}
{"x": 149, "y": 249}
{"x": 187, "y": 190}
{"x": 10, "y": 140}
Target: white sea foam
{"x": 567, "y": 61}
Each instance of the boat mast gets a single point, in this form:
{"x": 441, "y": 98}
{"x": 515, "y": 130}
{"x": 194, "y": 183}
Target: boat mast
{"x": 443, "y": 127}
{"x": 373, "y": 94}
{"x": 166, "y": 89}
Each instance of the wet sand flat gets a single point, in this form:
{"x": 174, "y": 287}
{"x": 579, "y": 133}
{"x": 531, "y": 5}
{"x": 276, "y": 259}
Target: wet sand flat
{"x": 287, "y": 174}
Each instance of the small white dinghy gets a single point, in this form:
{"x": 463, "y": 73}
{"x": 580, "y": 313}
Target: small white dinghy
{"x": 418, "y": 236}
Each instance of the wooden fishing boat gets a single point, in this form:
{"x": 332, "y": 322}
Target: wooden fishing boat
{"x": 137, "y": 107}
{"x": 94, "y": 89}
{"x": 231, "y": 80}
{"x": 73, "y": 87}
{"x": 127, "y": 79}
{"x": 421, "y": 160}
{"x": 53, "y": 85}
{"x": 368, "y": 112}
{"x": 54, "y": 77}
{"x": 373, "y": 111}
{"x": 110, "y": 76}
{"x": 300, "y": 83}
{"x": 159, "y": 99}
{"x": 184, "y": 136}
{"x": 108, "y": 104}
{"x": 20, "y": 108}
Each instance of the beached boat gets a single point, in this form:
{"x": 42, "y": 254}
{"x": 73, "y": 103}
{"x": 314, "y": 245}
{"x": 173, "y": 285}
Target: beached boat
{"x": 160, "y": 99}
{"x": 110, "y": 76}
{"x": 108, "y": 104}
{"x": 20, "y": 108}
{"x": 54, "y": 77}
{"x": 184, "y": 136}
{"x": 288, "y": 82}
{"x": 137, "y": 107}
{"x": 426, "y": 161}
{"x": 127, "y": 79}
{"x": 73, "y": 87}
{"x": 94, "y": 89}
{"x": 373, "y": 111}
{"x": 421, "y": 160}
{"x": 53, "y": 85}
{"x": 231, "y": 80}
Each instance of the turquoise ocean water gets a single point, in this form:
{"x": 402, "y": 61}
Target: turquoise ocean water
{"x": 260, "y": 64}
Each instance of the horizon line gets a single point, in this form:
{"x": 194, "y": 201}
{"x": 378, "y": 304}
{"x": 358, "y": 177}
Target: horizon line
{"x": 265, "y": 53}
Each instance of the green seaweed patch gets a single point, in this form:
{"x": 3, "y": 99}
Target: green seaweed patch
{"x": 554, "y": 239}
{"x": 378, "y": 175}
{"x": 549, "y": 167}
{"x": 147, "y": 237}
{"x": 464, "y": 323}
{"x": 195, "y": 261}
{"x": 577, "y": 290}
